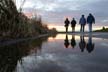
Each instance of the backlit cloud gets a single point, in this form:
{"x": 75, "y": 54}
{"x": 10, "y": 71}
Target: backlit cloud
{"x": 54, "y": 11}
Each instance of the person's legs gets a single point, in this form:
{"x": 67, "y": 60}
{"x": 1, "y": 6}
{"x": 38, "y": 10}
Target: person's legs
{"x": 90, "y": 27}
{"x": 73, "y": 29}
{"x": 67, "y": 29}
{"x": 81, "y": 29}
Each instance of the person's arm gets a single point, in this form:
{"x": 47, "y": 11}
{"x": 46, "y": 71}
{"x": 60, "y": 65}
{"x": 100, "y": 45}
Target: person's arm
{"x": 68, "y": 22}
{"x": 80, "y": 21}
{"x": 93, "y": 20}
{"x": 87, "y": 20}
{"x": 65, "y": 22}
{"x": 75, "y": 22}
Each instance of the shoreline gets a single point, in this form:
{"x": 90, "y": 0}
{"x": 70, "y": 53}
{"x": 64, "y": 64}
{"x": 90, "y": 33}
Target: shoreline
{"x": 103, "y": 35}
{"x": 8, "y": 42}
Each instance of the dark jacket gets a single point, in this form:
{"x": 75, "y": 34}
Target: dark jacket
{"x": 73, "y": 23}
{"x": 90, "y": 19}
{"x": 82, "y": 21}
{"x": 67, "y": 22}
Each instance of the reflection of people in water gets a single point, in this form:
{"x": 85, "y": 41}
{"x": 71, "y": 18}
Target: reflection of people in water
{"x": 82, "y": 43}
{"x": 66, "y": 42}
{"x": 73, "y": 42}
{"x": 90, "y": 45}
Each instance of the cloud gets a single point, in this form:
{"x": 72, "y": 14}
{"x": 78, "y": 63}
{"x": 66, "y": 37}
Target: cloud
{"x": 55, "y": 4}
{"x": 54, "y": 11}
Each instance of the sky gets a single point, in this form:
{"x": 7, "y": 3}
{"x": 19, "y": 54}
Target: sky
{"x": 54, "y": 12}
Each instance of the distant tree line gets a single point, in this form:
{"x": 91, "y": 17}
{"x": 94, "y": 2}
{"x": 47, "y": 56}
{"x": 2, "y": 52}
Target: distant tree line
{"x": 102, "y": 30}
{"x": 14, "y": 24}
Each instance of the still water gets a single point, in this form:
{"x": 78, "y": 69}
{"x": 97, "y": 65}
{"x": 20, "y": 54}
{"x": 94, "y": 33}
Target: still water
{"x": 62, "y": 53}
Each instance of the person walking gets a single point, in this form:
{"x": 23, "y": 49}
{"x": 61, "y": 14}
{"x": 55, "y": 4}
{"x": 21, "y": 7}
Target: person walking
{"x": 82, "y": 22}
{"x": 73, "y": 24}
{"x": 67, "y": 22}
{"x": 90, "y": 21}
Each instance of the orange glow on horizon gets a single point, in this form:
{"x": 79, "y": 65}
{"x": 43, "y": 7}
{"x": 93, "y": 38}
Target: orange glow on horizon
{"x": 62, "y": 28}
{"x": 28, "y": 14}
{"x": 62, "y": 36}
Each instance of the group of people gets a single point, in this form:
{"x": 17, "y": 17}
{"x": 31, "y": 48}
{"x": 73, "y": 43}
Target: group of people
{"x": 90, "y": 20}
{"x": 89, "y": 46}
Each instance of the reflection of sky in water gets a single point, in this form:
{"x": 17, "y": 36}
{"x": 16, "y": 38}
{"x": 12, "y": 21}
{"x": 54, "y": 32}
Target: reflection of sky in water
{"x": 62, "y": 36}
{"x": 54, "y": 57}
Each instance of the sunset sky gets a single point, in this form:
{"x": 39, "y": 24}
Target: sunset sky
{"x": 54, "y": 12}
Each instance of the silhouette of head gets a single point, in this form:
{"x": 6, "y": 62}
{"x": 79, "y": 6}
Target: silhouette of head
{"x": 82, "y": 15}
{"x": 66, "y": 18}
{"x": 73, "y": 18}
{"x": 90, "y": 14}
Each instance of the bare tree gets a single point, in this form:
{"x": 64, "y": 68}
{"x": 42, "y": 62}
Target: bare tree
{"x": 21, "y": 6}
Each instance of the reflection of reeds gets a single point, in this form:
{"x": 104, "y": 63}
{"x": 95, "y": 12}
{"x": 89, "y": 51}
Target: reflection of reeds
{"x": 12, "y": 54}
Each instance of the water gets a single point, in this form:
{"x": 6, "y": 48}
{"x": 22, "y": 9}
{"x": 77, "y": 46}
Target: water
{"x": 63, "y": 53}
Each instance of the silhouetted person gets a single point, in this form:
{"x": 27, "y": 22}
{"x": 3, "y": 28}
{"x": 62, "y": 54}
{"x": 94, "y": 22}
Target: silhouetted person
{"x": 90, "y": 45}
{"x": 66, "y": 42}
{"x": 82, "y": 22}
{"x": 67, "y": 22}
{"x": 73, "y": 42}
{"x": 90, "y": 21}
{"x": 82, "y": 43}
{"x": 73, "y": 24}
